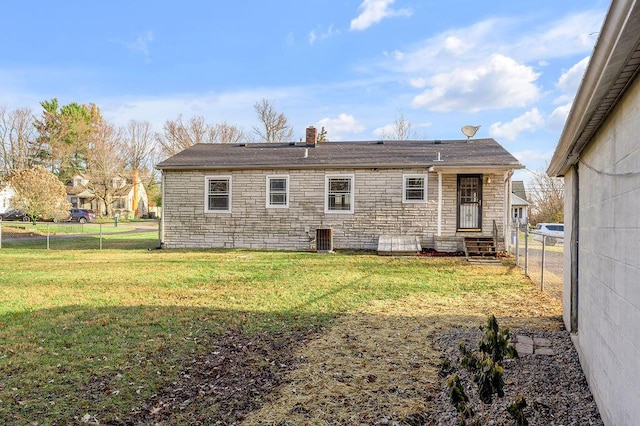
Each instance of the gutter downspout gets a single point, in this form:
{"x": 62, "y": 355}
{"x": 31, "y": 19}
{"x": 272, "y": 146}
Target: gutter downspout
{"x": 439, "y": 203}
{"x": 507, "y": 209}
{"x": 573, "y": 249}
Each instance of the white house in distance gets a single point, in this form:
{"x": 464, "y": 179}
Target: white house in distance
{"x": 6, "y": 193}
{"x": 519, "y": 203}
{"x": 599, "y": 156}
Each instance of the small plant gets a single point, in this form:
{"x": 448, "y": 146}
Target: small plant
{"x": 488, "y": 376}
{"x": 516, "y": 410}
{"x": 485, "y": 366}
{"x": 458, "y": 398}
{"x": 496, "y": 342}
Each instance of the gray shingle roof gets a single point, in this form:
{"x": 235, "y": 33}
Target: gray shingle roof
{"x": 517, "y": 187}
{"x": 479, "y": 153}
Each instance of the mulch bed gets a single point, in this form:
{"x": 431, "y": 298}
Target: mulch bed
{"x": 223, "y": 385}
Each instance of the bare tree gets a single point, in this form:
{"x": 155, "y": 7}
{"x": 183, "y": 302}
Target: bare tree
{"x": 227, "y": 133}
{"x": 106, "y": 165}
{"x": 178, "y": 135}
{"x": 547, "y": 198}
{"x": 139, "y": 141}
{"x": 38, "y": 193}
{"x": 275, "y": 126}
{"x": 400, "y": 131}
{"x": 18, "y": 143}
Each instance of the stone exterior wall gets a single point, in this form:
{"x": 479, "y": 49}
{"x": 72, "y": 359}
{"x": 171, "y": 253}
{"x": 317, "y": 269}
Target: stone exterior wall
{"x": 608, "y": 334}
{"x": 378, "y": 210}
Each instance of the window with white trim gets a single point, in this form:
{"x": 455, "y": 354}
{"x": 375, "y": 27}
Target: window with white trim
{"x": 414, "y": 188}
{"x": 277, "y": 191}
{"x": 338, "y": 194}
{"x": 217, "y": 194}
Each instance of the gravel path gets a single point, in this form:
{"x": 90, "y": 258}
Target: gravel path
{"x": 554, "y": 386}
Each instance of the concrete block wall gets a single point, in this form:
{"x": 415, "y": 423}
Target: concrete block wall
{"x": 378, "y": 210}
{"x": 608, "y": 335}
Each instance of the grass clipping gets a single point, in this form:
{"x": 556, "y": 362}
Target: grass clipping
{"x": 379, "y": 364}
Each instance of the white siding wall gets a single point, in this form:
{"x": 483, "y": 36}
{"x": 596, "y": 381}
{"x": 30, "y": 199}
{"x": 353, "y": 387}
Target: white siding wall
{"x": 609, "y": 263}
{"x": 378, "y": 210}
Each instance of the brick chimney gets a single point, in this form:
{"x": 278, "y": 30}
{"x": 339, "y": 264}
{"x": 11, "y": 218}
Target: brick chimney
{"x": 312, "y": 136}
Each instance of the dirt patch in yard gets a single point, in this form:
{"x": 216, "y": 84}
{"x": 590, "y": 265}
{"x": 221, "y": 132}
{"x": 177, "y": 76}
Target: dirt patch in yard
{"x": 380, "y": 365}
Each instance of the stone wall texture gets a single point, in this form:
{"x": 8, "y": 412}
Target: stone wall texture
{"x": 378, "y": 210}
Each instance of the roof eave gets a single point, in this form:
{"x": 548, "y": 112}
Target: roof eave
{"x": 434, "y": 166}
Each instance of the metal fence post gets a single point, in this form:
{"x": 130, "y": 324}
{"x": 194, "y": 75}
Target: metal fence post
{"x": 544, "y": 241}
{"x": 0, "y": 232}
{"x": 47, "y": 236}
{"x": 526, "y": 249}
{"x": 517, "y": 229}
{"x": 101, "y": 234}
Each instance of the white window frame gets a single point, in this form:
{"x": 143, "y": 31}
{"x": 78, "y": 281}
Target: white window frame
{"x": 352, "y": 179}
{"x": 286, "y": 192}
{"x": 207, "y": 179}
{"x": 405, "y": 177}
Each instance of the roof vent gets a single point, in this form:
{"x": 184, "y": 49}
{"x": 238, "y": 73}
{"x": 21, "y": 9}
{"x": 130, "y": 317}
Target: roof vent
{"x": 242, "y": 144}
{"x": 437, "y": 142}
{"x": 292, "y": 144}
{"x": 380, "y": 142}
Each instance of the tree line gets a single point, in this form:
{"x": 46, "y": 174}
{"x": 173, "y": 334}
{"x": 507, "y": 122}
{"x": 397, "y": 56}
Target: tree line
{"x": 76, "y": 139}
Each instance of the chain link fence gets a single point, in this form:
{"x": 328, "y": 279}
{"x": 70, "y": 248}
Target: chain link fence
{"x": 541, "y": 257}
{"x": 81, "y": 236}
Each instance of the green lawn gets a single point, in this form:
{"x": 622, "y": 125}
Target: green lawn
{"x": 98, "y": 334}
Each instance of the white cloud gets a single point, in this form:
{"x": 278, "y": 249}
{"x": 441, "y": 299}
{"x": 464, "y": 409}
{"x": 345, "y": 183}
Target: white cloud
{"x": 559, "y": 116}
{"x": 569, "y": 35}
{"x": 532, "y": 158}
{"x": 498, "y": 82}
{"x": 570, "y": 79}
{"x": 337, "y": 127}
{"x": 529, "y": 121}
{"x": 141, "y": 43}
{"x": 320, "y": 34}
{"x": 374, "y": 11}
{"x": 384, "y": 131}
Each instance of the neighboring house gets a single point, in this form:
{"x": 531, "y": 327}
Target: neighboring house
{"x": 599, "y": 156}
{"x": 519, "y": 203}
{"x": 6, "y": 193}
{"x": 276, "y": 196}
{"x": 125, "y": 195}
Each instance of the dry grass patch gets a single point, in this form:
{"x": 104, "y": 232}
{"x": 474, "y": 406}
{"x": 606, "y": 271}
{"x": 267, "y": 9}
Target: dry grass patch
{"x": 379, "y": 364}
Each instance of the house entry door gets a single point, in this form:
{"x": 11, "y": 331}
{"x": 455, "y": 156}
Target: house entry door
{"x": 469, "y": 202}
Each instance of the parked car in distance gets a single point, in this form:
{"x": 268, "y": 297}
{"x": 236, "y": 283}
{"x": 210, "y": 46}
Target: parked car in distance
{"x": 15, "y": 215}
{"x": 82, "y": 215}
{"x": 552, "y": 231}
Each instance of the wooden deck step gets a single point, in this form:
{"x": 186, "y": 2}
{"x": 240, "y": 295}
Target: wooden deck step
{"x": 480, "y": 247}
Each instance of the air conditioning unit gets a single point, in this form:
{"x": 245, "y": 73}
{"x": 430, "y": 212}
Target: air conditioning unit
{"x": 324, "y": 240}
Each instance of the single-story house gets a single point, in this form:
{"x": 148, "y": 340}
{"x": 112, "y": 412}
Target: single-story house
{"x": 599, "y": 156}
{"x": 286, "y": 195}
{"x": 519, "y": 203}
{"x": 128, "y": 200}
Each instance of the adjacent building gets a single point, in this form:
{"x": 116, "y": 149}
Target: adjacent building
{"x": 599, "y": 156}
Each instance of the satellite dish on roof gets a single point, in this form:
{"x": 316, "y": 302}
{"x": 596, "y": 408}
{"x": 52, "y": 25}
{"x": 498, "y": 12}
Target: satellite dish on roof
{"x": 469, "y": 131}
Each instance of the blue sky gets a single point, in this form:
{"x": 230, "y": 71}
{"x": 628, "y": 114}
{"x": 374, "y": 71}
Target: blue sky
{"x": 352, "y": 66}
